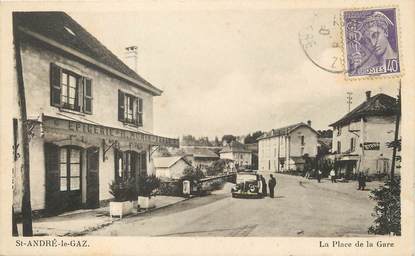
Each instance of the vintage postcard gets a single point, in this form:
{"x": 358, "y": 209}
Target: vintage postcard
{"x": 207, "y": 128}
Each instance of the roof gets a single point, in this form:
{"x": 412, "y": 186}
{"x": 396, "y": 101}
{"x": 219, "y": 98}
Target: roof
{"x": 284, "y": 130}
{"x": 166, "y": 162}
{"x": 61, "y": 28}
{"x": 380, "y": 104}
{"x": 235, "y": 146}
{"x": 200, "y": 152}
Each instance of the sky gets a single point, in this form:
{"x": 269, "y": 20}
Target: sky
{"x": 229, "y": 71}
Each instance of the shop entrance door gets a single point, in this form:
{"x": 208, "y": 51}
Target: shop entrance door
{"x": 63, "y": 178}
{"x": 92, "y": 177}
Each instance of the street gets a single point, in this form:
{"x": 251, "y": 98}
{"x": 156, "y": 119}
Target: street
{"x": 301, "y": 208}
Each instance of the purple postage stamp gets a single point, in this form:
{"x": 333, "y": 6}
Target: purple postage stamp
{"x": 371, "y": 42}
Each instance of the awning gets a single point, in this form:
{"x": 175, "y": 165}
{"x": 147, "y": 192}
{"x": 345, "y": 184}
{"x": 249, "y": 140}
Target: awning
{"x": 77, "y": 128}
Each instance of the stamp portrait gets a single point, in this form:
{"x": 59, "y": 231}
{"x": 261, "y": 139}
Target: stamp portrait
{"x": 371, "y": 42}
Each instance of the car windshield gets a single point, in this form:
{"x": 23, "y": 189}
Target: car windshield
{"x": 245, "y": 177}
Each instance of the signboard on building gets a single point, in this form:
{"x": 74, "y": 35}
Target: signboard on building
{"x": 371, "y": 145}
{"x": 75, "y": 128}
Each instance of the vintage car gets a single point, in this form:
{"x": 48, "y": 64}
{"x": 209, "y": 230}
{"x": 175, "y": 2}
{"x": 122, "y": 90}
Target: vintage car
{"x": 248, "y": 184}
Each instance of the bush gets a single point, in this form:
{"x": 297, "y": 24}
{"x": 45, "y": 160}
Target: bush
{"x": 147, "y": 185}
{"x": 216, "y": 167}
{"x": 388, "y": 208}
{"x": 171, "y": 188}
{"x": 192, "y": 174}
{"x": 123, "y": 190}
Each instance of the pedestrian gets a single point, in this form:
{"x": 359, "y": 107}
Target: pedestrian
{"x": 359, "y": 181}
{"x": 264, "y": 186}
{"x": 363, "y": 181}
{"x": 271, "y": 184}
{"x": 319, "y": 176}
{"x": 333, "y": 176}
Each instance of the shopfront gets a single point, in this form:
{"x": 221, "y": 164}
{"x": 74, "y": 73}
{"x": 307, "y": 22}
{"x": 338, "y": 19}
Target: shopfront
{"x": 82, "y": 159}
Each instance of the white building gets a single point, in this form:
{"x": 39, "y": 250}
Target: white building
{"x": 284, "y": 148}
{"x": 360, "y": 137}
{"x": 171, "y": 167}
{"x": 91, "y": 116}
{"x": 237, "y": 152}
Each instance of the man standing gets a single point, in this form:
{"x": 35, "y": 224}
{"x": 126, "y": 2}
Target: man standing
{"x": 272, "y": 183}
{"x": 318, "y": 176}
{"x": 264, "y": 186}
{"x": 333, "y": 176}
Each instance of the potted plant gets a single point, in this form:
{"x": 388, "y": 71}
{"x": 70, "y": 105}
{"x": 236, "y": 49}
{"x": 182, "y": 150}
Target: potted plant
{"x": 124, "y": 194}
{"x": 147, "y": 187}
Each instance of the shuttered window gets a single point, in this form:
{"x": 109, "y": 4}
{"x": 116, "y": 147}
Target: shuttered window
{"x": 125, "y": 164}
{"x": 70, "y": 90}
{"x": 130, "y": 109}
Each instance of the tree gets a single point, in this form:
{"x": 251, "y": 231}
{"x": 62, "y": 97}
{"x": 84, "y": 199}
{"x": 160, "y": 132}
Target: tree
{"x": 26, "y": 203}
{"x": 253, "y": 138}
{"x": 228, "y": 138}
{"x": 326, "y": 133}
{"x": 388, "y": 208}
{"x": 216, "y": 167}
{"x": 217, "y": 142}
{"x": 192, "y": 174}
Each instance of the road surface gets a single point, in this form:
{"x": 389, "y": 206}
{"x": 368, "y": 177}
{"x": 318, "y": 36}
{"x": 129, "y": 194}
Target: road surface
{"x": 301, "y": 208}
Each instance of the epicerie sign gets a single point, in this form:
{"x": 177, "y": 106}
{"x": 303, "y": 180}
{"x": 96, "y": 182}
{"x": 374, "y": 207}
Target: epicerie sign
{"x": 371, "y": 145}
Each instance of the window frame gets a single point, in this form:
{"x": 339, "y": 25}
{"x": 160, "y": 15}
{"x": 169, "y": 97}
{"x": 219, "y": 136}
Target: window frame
{"x": 68, "y": 170}
{"x": 58, "y": 85}
{"x": 129, "y": 103}
{"x": 352, "y": 144}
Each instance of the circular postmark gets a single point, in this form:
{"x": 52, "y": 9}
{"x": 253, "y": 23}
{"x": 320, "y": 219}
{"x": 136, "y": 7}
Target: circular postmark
{"x": 321, "y": 41}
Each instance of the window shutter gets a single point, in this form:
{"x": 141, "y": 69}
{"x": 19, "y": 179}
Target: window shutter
{"x": 80, "y": 94}
{"x": 140, "y": 112}
{"x": 88, "y": 96}
{"x": 116, "y": 164}
{"x": 120, "y": 106}
{"x": 52, "y": 183}
{"x": 55, "y": 85}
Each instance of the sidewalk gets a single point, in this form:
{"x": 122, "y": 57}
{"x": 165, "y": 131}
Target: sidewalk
{"x": 347, "y": 188}
{"x": 80, "y": 222}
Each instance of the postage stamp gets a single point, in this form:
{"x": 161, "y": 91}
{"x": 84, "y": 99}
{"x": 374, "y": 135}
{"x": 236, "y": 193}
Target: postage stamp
{"x": 371, "y": 42}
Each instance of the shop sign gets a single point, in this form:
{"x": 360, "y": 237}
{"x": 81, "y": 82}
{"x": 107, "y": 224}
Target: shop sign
{"x": 371, "y": 145}
{"x": 80, "y": 128}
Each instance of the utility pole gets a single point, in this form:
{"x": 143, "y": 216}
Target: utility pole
{"x": 395, "y": 142}
{"x": 349, "y": 99}
{"x": 26, "y": 204}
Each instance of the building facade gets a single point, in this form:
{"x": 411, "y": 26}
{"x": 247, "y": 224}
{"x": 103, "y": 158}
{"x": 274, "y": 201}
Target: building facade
{"x": 283, "y": 149}
{"x": 361, "y": 137}
{"x": 200, "y": 157}
{"x": 91, "y": 116}
{"x": 171, "y": 167}
{"x": 237, "y": 152}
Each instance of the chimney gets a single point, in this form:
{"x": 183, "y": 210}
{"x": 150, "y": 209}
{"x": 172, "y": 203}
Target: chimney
{"x": 368, "y": 95}
{"x": 309, "y": 123}
{"x": 130, "y": 57}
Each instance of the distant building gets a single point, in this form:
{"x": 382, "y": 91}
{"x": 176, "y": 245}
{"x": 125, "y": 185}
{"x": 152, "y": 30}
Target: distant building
{"x": 238, "y": 153}
{"x": 171, "y": 167}
{"x": 200, "y": 157}
{"x": 254, "y": 148}
{"x": 284, "y": 148}
{"x": 360, "y": 137}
